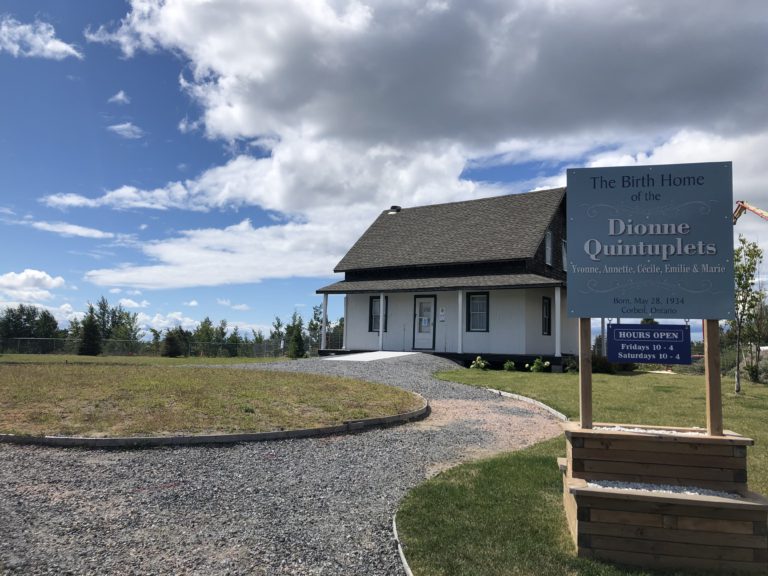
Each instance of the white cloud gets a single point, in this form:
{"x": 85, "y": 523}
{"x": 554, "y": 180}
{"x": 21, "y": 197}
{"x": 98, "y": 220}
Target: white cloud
{"x": 127, "y": 130}
{"x": 37, "y": 40}
{"x": 7, "y": 211}
{"x": 120, "y": 98}
{"x": 191, "y": 303}
{"x": 30, "y": 285}
{"x": 66, "y": 229}
{"x": 165, "y": 321}
{"x": 115, "y": 290}
{"x": 360, "y": 106}
{"x": 128, "y": 303}
{"x": 228, "y": 303}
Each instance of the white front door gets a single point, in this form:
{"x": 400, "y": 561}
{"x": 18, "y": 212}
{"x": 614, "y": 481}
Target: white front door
{"x": 424, "y": 323}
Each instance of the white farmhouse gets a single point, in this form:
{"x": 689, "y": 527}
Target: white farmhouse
{"x": 484, "y": 276}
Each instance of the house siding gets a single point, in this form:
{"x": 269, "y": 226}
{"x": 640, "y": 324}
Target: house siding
{"x": 514, "y": 324}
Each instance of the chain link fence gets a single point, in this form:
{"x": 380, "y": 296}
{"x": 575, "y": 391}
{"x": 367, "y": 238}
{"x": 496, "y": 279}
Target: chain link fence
{"x": 225, "y": 349}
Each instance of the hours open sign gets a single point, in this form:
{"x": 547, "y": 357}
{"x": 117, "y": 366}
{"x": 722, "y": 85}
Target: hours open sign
{"x": 649, "y": 343}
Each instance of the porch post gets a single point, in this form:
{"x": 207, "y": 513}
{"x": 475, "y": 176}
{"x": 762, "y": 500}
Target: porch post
{"x": 460, "y": 346}
{"x": 323, "y": 328}
{"x": 344, "y": 331}
{"x": 381, "y": 321}
{"x": 557, "y": 322}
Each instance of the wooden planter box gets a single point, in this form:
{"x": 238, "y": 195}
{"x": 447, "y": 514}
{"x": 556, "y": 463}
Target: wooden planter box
{"x": 689, "y": 458}
{"x": 663, "y": 530}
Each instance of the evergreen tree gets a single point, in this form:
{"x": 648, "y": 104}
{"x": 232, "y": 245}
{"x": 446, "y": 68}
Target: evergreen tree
{"x": 90, "y": 334}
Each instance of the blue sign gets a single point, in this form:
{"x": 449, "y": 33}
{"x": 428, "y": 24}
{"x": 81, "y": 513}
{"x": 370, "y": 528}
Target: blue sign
{"x": 649, "y": 343}
{"x": 651, "y": 241}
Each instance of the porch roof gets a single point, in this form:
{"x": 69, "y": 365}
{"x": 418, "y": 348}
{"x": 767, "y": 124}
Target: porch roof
{"x": 486, "y": 282}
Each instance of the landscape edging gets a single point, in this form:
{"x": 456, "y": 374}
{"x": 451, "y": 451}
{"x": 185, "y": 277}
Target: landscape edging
{"x": 349, "y": 426}
{"x": 555, "y": 413}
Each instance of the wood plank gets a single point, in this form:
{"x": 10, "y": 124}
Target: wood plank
{"x": 585, "y": 372}
{"x": 656, "y": 457}
{"x": 712, "y": 376}
{"x": 662, "y": 470}
{"x": 666, "y": 562}
{"x": 667, "y": 508}
{"x": 715, "y": 525}
{"x": 682, "y": 536}
{"x": 643, "y": 445}
{"x": 657, "y": 547}
{"x": 623, "y": 517}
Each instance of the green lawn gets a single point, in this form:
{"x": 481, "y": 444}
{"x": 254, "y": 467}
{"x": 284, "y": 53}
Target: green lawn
{"x": 504, "y": 515}
{"x": 103, "y": 399}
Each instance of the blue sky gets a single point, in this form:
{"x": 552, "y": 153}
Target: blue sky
{"x": 192, "y": 159}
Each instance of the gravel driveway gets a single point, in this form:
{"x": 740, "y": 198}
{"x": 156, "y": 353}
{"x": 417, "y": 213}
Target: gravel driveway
{"x": 315, "y": 506}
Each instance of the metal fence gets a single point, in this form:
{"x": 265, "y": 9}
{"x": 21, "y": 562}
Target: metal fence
{"x": 251, "y": 349}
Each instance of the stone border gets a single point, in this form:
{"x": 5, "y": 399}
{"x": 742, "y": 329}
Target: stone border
{"x": 348, "y": 427}
{"x": 400, "y": 550}
{"x": 555, "y": 413}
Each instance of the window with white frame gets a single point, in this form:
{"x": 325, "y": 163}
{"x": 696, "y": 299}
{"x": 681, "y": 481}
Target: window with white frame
{"x": 374, "y": 313}
{"x": 546, "y": 316}
{"x": 477, "y": 312}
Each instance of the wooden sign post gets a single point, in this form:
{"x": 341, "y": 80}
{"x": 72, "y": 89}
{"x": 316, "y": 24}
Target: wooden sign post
{"x": 712, "y": 375}
{"x": 585, "y": 372}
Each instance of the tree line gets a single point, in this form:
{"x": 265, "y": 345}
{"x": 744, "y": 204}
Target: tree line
{"x": 103, "y": 322}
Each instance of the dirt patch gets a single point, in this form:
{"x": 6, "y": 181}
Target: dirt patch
{"x": 503, "y": 425}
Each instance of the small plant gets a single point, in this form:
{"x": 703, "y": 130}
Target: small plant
{"x": 572, "y": 364}
{"x": 539, "y": 365}
{"x": 509, "y": 366}
{"x": 479, "y": 364}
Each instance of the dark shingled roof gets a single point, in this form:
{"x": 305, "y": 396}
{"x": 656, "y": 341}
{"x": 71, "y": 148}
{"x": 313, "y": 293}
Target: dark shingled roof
{"x": 489, "y": 281}
{"x": 490, "y": 229}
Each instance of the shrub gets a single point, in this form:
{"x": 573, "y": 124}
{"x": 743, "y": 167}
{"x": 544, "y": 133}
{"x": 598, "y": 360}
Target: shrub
{"x": 538, "y": 365}
{"x": 509, "y": 366}
{"x": 479, "y": 364}
{"x": 601, "y": 365}
{"x": 753, "y": 372}
{"x": 571, "y": 364}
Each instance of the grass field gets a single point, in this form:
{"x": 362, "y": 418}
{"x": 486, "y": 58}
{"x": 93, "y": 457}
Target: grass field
{"x": 103, "y": 399}
{"x": 504, "y": 515}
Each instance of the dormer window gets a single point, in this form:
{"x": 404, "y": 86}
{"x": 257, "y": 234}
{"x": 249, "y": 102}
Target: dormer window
{"x": 548, "y": 247}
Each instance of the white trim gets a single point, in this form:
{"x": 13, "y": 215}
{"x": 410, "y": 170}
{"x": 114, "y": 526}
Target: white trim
{"x": 460, "y": 323}
{"x": 323, "y": 329}
{"x": 346, "y": 323}
{"x": 381, "y": 321}
{"x": 558, "y": 329}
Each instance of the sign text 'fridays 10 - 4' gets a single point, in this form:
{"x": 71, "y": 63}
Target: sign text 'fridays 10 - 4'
{"x": 651, "y": 241}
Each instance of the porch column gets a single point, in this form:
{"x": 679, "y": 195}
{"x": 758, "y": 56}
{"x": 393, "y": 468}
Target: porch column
{"x": 323, "y": 327}
{"x": 460, "y": 346}
{"x": 557, "y": 322}
{"x": 344, "y": 331}
{"x": 381, "y": 321}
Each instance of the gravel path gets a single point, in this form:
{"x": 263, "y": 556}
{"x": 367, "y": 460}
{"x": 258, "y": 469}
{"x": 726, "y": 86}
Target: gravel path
{"x": 316, "y": 506}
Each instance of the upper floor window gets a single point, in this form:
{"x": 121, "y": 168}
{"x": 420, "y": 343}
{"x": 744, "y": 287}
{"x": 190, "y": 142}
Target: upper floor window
{"x": 565, "y": 255}
{"x": 548, "y": 248}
